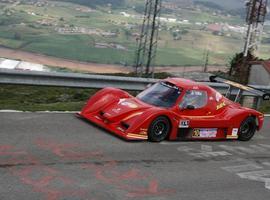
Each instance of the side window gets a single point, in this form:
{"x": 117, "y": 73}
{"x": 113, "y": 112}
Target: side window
{"x": 196, "y": 98}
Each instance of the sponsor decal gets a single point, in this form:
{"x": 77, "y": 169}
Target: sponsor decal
{"x": 231, "y": 137}
{"x": 116, "y": 110}
{"x": 170, "y": 86}
{"x": 98, "y": 117}
{"x": 234, "y": 131}
{"x": 201, "y": 117}
{"x": 234, "y": 134}
{"x": 137, "y": 136}
{"x": 143, "y": 131}
{"x": 205, "y": 133}
{"x": 184, "y": 124}
{"x": 120, "y": 129}
{"x": 196, "y": 133}
{"x": 197, "y": 93}
{"x": 221, "y": 105}
{"x": 132, "y": 115}
{"x": 218, "y": 96}
{"x": 107, "y": 114}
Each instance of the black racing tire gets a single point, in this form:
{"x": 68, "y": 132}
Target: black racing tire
{"x": 159, "y": 129}
{"x": 247, "y": 129}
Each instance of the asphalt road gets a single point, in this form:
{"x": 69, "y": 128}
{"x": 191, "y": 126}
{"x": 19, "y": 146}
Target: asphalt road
{"x": 59, "y": 157}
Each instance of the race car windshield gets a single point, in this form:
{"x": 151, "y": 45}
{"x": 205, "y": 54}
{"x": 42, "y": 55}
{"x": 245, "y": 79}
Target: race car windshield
{"x": 162, "y": 94}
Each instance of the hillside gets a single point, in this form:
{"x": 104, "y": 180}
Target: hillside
{"x": 225, "y": 4}
{"x": 94, "y": 3}
{"x": 106, "y": 31}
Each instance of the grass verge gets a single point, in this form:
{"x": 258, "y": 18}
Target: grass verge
{"x": 36, "y": 98}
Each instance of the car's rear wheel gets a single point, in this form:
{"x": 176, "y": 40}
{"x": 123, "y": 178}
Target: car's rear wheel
{"x": 159, "y": 129}
{"x": 247, "y": 129}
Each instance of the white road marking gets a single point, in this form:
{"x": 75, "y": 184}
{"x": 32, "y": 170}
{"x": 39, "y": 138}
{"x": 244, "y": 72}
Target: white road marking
{"x": 236, "y": 149}
{"x": 57, "y": 112}
{"x": 266, "y": 163}
{"x": 262, "y": 175}
{"x": 258, "y": 148}
{"x": 251, "y": 149}
{"x": 206, "y": 148}
{"x": 210, "y": 154}
{"x": 185, "y": 149}
{"x": 265, "y": 145}
{"x": 241, "y": 168}
{"x": 206, "y": 151}
{"x": 10, "y": 111}
{"x": 169, "y": 143}
{"x": 260, "y": 136}
{"x": 251, "y": 171}
{"x": 267, "y": 184}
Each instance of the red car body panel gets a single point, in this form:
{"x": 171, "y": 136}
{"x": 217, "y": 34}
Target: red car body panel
{"x": 128, "y": 117}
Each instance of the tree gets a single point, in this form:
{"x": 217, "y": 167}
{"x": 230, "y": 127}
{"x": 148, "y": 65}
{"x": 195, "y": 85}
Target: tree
{"x": 240, "y": 67}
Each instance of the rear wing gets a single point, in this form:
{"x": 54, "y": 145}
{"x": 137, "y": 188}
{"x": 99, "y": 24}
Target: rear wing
{"x": 241, "y": 88}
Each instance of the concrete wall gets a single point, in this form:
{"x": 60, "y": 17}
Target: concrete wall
{"x": 21, "y": 65}
{"x": 259, "y": 76}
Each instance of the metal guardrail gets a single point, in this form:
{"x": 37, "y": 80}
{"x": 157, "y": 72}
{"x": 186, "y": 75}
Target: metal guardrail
{"x": 78, "y": 80}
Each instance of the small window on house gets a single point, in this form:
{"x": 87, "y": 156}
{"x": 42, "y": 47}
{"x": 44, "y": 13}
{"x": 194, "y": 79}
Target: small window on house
{"x": 196, "y": 98}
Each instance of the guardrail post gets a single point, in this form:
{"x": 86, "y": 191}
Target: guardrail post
{"x": 258, "y": 102}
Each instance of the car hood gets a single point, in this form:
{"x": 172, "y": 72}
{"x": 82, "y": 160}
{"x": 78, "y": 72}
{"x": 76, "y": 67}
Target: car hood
{"x": 124, "y": 108}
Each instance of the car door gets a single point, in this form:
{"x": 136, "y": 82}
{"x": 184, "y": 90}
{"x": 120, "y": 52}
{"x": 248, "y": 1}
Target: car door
{"x": 196, "y": 119}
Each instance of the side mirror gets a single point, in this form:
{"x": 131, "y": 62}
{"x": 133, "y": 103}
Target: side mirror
{"x": 190, "y": 107}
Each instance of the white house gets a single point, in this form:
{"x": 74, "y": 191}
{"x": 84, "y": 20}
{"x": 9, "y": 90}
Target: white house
{"x": 259, "y": 73}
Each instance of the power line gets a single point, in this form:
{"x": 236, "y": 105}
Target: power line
{"x": 147, "y": 42}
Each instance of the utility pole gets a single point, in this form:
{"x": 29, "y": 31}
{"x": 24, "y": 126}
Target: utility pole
{"x": 205, "y": 69}
{"x": 147, "y": 42}
{"x": 256, "y": 12}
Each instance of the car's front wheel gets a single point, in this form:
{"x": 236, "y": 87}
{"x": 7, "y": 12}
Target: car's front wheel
{"x": 159, "y": 129}
{"x": 247, "y": 129}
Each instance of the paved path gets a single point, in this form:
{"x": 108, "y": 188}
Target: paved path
{"x": 94, "y": 67}
{"x": 45, "y": 156}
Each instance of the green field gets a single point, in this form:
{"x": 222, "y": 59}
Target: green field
{"x": 33, "y": 98}
{"x": 22, "y": 28}
{"x": 40, "y": 98}
{"x": 36, "y": 98}
{"x": 265, "y": 107}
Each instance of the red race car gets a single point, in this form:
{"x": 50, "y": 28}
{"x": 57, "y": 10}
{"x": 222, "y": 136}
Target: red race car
{"x": 174, "y": 109}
